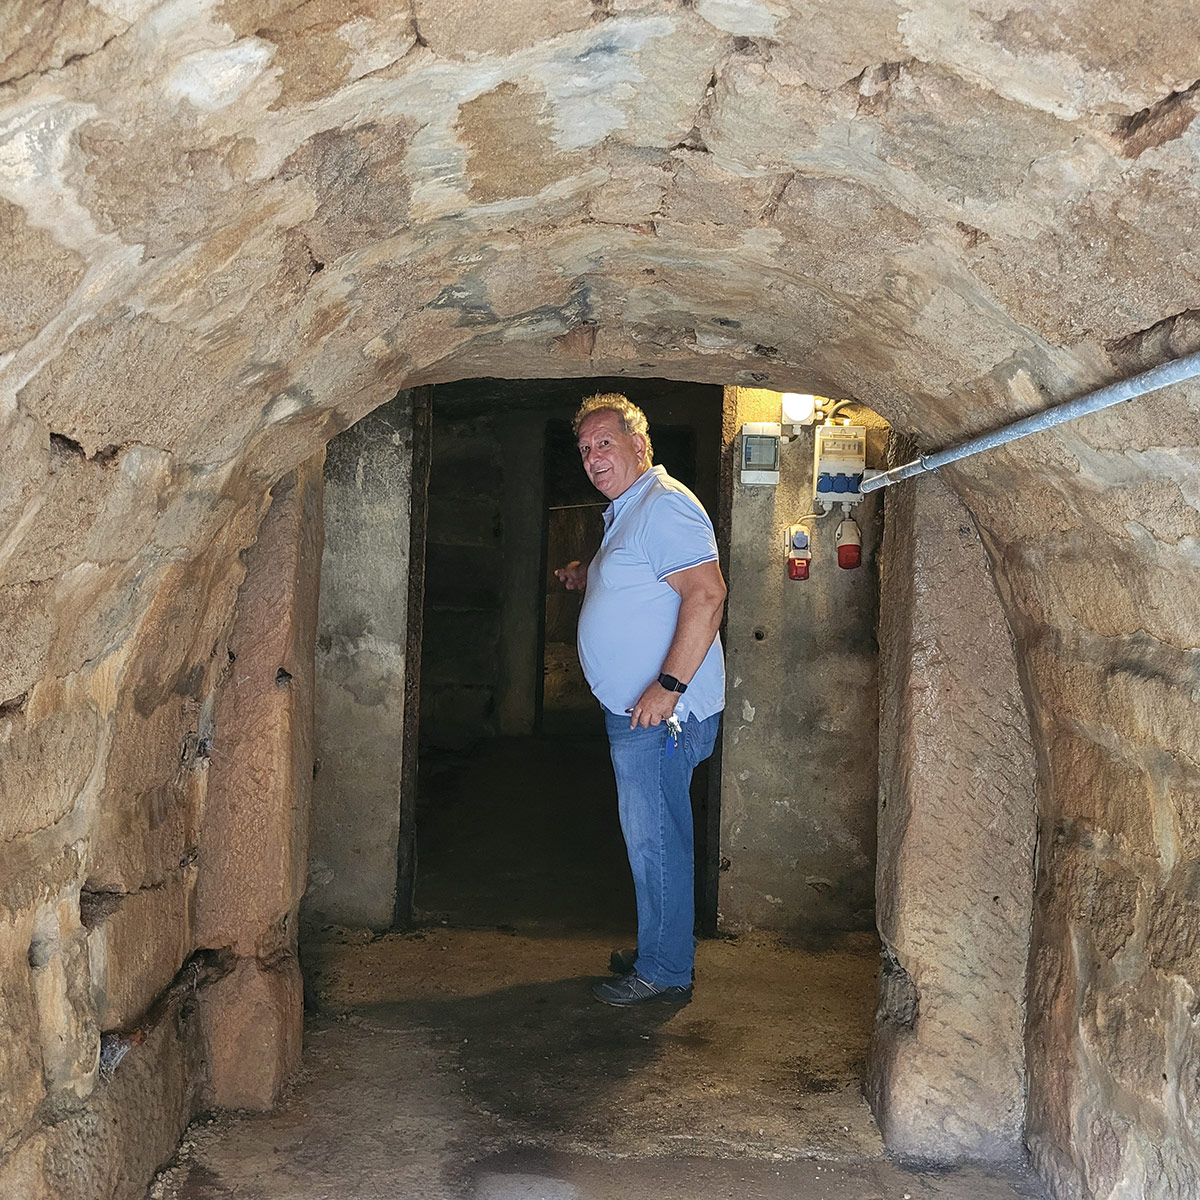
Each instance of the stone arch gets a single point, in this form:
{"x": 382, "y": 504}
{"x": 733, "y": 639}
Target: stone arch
{"x": 225, "y": 242}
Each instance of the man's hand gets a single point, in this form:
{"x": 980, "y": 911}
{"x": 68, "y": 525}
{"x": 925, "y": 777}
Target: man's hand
{"x": 654, "y": 706}
{"x": 573, "y": 576}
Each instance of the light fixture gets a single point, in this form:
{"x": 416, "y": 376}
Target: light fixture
{"x": 798, "y": 409}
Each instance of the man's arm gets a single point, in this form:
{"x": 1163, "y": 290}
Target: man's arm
{"x": 702, "y": 600}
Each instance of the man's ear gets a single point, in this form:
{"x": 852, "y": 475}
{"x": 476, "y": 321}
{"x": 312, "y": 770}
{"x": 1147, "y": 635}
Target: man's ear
{"x": 640, "y": 442}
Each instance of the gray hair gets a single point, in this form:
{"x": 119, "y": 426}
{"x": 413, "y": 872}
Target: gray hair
{"x": 633, "y": 420}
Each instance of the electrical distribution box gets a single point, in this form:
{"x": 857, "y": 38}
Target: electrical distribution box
{"x": 839, "y": 461}
{"x": 760, "y": 452}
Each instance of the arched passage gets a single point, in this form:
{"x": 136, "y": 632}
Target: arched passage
{"x": 232, "y": 236}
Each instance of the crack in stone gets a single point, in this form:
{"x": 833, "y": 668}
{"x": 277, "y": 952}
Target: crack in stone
{"x": 204, "y": 967}
{"x": 65, "y": 445}
{"x": 69, "y": 61}
{"x": 1163, "y": 121}
{"x": 769, "y": 209}
{"x": 1169, "y": 338}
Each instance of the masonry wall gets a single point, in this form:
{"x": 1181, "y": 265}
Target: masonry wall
{"x": 798, "y": 765}
{"x": 114, "y": 957}
{"x": 1103, "y": 600}
{"x": 253, "y": 846}
{"x": 227, "y": 239}
{"x": 463, "y": 676}
{"x": 957, "y": 830}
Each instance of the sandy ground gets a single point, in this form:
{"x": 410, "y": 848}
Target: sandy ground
{"x": 458, "y": 1064}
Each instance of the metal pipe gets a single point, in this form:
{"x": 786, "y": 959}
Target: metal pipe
{"x": 1176, "y": 371}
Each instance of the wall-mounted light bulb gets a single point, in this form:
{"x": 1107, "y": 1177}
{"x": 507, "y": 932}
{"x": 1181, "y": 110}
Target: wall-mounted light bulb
{"x": 798, "y": 409}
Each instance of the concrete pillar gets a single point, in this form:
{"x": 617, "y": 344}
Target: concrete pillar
{"x": 361, "y": 668}
{"x": 254, "y": 839}
{"x": 956, "y": 843}
{"x": 798, "y": 777}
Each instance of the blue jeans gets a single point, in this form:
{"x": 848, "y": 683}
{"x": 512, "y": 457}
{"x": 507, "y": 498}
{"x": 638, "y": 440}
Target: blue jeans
{"x": 654, "y": 801}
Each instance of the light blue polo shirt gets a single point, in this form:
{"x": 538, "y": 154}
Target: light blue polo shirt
{"x": 653, "y": 529}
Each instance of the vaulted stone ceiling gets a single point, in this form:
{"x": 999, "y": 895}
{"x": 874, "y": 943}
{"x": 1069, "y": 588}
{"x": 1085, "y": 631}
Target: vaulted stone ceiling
{"x": 232, "y": 229}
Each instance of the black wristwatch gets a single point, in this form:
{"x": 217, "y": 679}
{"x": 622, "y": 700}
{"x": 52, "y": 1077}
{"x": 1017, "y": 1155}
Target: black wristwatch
{"x": 671, "y": 683}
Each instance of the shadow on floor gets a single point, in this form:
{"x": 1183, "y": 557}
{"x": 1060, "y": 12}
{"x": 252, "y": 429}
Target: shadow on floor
{"x": 454, "y": 1064}
{"x": 522, "y": 833}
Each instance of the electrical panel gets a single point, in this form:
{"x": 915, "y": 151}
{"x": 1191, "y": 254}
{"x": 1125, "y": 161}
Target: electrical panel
{"x": 839, "y": 461}
{"x": 760, "y": 452}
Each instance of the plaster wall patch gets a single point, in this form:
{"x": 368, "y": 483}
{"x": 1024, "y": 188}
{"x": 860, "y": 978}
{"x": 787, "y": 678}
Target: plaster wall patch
{"x": 124, "y": 10}
{"x": 214, "y": 79}
{"x": 589, "y": 87}
{"x": 35, "y": 141}
{"x": 746, "y": 18}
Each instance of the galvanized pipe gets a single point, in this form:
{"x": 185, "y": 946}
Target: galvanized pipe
{"x": 1175, "y": 371}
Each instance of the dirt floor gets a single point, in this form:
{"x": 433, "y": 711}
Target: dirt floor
{"x": 474, "y": 1065}
{"x": 468, "y": 1060}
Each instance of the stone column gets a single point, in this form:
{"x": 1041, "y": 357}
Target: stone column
{"x": 956, "y": 843}
{"x": 254, "y": 837}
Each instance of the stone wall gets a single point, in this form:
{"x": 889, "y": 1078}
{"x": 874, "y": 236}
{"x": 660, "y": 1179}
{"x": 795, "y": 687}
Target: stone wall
{"x": 1107, "y": 618}
{"x": 253, "y": 845}
{"x": 957, "y": 827}
{"x": 127, "y": 901}
{"x": 462, "y": 663}
{"x": 362, "y": 637}
{"x": 798, "y": 764}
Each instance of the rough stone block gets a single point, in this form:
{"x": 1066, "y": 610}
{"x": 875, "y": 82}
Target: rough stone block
{"x": 48, "y": 754}
{"x": 22, "y": 1173}
{"x": 149, "y": 825}
{"x": 154, "y": 787}
{"x": 110, "y": 1146}
{"x": 956, "y": 839}
{"x": 254, "y": 841}
{"x": 21, "y": 1082}
{"x": 25, "y": 633}
{"x": 69, "y": 1036}
{"x": 253, "y": 1023}
{"x": 457, "y": 28}
{"x": 137, "y": 943}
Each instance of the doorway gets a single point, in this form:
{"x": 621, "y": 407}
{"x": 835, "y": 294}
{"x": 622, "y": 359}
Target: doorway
{"x": 515, "y": 811}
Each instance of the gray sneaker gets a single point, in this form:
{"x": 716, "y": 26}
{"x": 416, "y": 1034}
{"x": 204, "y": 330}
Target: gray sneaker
{"x": 632, "y": 989}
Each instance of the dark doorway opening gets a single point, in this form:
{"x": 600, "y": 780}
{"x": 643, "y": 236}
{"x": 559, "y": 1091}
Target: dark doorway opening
{"x": 515, "y": 813}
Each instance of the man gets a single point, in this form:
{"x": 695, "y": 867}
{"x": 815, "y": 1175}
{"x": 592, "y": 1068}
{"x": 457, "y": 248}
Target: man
{"x": 653, "y": 598}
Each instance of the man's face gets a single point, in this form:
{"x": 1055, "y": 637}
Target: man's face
{"x": 611, "y": 457}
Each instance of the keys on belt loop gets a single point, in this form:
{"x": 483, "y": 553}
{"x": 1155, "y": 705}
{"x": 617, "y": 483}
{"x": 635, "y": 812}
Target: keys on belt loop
{"x": 674, "y": 729}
